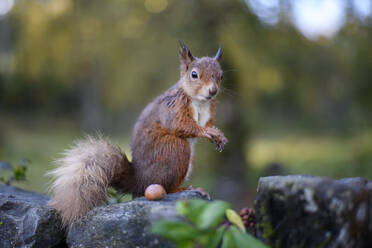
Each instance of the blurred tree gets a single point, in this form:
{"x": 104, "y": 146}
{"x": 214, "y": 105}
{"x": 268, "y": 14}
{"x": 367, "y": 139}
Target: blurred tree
{"x": 101, "y": 62}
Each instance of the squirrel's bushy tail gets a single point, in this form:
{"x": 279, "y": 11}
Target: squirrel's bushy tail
{"x": 83, "y": 175}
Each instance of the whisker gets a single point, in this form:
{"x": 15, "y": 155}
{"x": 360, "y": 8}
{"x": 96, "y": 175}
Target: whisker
{"x": 228, "y": 92}
{"x": 229, "y": 70}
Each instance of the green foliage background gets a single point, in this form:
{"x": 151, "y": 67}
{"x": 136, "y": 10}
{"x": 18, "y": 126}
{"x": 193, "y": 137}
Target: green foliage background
{"x": 70, "y": 67}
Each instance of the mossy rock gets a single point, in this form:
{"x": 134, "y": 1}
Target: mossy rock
{"x": 306, "y": 211}
{"x": 126, "y": 224}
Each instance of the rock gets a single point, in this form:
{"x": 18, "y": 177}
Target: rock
{"x": 5, "y": 166}
{"x": 125, "y": 224}
{"x": 26, "y": 221}
{"x": 306, "y": 211}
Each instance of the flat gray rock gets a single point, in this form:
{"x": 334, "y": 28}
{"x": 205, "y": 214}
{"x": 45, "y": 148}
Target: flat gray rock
{"x": 125, "y": 224}
{"x": 26, "y": 221}
{"x": 306, "y": 211}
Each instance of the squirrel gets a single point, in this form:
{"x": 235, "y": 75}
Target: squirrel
{"x": 162, "y": 145}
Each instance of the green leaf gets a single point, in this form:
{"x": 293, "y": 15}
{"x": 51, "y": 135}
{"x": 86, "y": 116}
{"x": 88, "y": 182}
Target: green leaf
{"x": 235, "y": 219}
{"x": 212, "y": 214}
{"x": 19, "y": 173}
{"x": 228, "y": 240}
{"x": 185, "y": 244}
{"x": 245, "y": 239}
{"x": 174, "y": 230}
{"x": 217, "y": 237}
{"x": 191, "y": 209}
{"x": 205, "y": 238}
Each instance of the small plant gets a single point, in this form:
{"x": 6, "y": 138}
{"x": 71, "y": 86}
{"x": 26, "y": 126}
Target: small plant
{"x": 17, "y": 174}
{"x": 115, "y": 196}
{"x": 208, "y": 224}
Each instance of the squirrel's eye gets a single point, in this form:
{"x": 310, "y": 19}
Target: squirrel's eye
{"x": 194, "y": 74}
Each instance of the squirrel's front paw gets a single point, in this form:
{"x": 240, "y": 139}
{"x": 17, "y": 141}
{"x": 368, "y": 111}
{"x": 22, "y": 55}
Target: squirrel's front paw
{"x": 217, "y": 137}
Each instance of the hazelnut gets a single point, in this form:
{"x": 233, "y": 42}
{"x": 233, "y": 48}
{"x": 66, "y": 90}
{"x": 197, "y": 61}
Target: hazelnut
{"x": 155, "y": 192}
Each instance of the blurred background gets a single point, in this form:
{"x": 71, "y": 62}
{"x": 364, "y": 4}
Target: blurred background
{"x": 297, "y": 85}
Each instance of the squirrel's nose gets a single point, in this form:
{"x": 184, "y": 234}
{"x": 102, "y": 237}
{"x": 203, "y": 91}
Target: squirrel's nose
{"x": 213, "y": 91}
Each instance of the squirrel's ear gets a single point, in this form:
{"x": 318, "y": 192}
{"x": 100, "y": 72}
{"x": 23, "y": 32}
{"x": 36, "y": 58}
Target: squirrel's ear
{"x": 185, "y": 56}
{"x": 219, "y": 53}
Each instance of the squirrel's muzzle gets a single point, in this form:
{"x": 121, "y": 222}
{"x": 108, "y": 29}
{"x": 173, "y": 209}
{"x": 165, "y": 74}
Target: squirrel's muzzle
{"x": 213, "y": 90}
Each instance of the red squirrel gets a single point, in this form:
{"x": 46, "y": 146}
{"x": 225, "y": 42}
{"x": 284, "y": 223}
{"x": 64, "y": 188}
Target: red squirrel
{"x": 162, "y": 145}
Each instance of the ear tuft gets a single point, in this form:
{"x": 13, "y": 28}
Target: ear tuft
{"x": 219, "y": 53}
{"x": 185, "y": 55}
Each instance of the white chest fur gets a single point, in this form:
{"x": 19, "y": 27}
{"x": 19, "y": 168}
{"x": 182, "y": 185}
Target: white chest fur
{"x": 201, "y": 116}
{"x": 201, "y": 112}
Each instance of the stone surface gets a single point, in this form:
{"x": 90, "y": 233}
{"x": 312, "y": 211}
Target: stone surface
{"x": 125, "y": 224}
{"x": 5, "y": 166}
{"x": 292, "y": 211}
{"x": 306, "y": 211}
{"x": 26, "y": 221}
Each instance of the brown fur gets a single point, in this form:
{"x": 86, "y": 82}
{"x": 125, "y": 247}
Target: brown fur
{"x": 160, "y": 145}
{"x": 211, "y": 119}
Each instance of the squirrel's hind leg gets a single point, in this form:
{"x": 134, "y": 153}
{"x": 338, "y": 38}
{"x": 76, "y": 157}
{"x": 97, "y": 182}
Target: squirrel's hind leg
{"x": 180, "y": 189}
{"x": 200, "y": 190}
